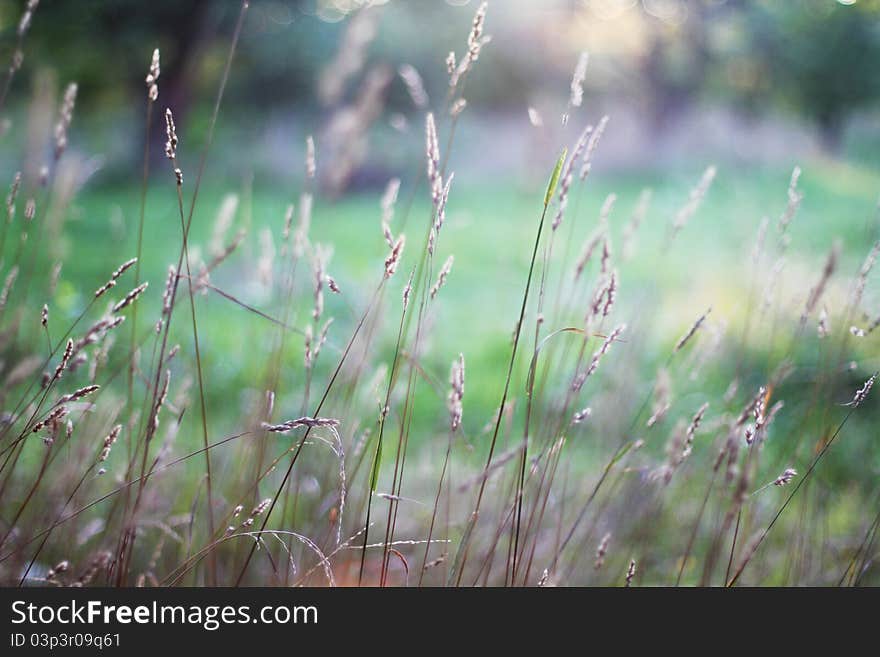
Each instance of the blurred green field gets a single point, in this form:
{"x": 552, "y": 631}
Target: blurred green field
{"x": 489, "y": 231}
{"x": 335, "y": 103}
{"x": 664, "y": 287}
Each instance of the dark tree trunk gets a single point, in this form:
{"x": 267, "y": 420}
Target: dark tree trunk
{"x": 831, "y": 128}
{"x": 177, "y": 80}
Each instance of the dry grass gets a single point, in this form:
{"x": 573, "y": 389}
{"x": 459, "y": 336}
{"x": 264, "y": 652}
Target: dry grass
{"x": 568, "y": 481}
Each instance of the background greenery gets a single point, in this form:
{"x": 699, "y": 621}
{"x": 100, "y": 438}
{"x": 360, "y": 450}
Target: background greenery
{"x": 805, "y": 71}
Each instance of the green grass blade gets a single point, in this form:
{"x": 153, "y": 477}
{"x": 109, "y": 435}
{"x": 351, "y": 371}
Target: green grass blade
{"x": 377, "y": 463}
{"x": 554, "y": 179}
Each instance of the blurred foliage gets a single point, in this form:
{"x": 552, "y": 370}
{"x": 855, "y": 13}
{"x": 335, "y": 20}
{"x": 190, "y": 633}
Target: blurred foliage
{"x": 814, "y": 58}
{"x": 819, "y": 57}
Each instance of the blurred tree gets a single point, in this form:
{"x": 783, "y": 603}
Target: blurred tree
{"x": 100, "y": 44}
{"x": 677, "y": 61}
{"x": 106, "y": 47}
{"x": 818, "y": 57}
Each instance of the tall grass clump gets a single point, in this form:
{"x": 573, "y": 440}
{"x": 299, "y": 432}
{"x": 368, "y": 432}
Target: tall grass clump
{"x": 359, "y": 456}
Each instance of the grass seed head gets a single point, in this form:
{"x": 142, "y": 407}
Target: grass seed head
{"x": 152, "y": 78}
{"x": 171, "y": 135}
